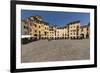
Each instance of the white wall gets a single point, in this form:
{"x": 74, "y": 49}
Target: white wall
{"x": 5, "y": 37}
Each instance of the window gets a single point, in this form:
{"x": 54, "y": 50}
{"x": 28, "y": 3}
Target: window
{"x": 82, "y": 29}
{"x": 63, "y": 34}
{"x": 87, "y": 29}
{"x": 77, "y": 26}
{"x": 35, "y": 30}
{"x": 45, "y": 28}
{"x": 24, "y": 27}
{"x": 39, "y": 32}
{"x": 35, "y": 34}
{"x": 39, "y": 26}
{"x": 35, "y": 25}
{"x": 45, "y": 33}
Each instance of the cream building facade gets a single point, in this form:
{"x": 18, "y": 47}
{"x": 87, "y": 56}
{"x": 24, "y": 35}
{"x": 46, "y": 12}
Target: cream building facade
{"x": 74, "y": 30}
{"x": 85, "y": 31}
{"x": 38, "y": 29}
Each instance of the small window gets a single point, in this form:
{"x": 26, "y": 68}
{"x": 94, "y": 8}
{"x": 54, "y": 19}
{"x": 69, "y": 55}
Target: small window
{"x": 35, "y": 30}
{"x": 82, "y": 29}
{"x": 77, "y": 26}
{"x": 87, "y": 29}
{"x": 35, "y": 25}
{"x": 24, "y": 27}
{"x": 39, "y": 26}
{"x": 39, "y": 32}
{"x": 35, "y": 34}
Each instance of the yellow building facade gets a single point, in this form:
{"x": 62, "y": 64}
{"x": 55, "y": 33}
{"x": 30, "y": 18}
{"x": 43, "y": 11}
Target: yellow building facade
{"x": 38, "y": 29}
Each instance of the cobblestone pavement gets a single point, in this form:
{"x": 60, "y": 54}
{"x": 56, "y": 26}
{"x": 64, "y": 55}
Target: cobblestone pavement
{"x": 55, "y": 50}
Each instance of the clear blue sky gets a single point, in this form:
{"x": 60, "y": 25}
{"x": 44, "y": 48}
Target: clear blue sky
{"x": 58, "y": 18}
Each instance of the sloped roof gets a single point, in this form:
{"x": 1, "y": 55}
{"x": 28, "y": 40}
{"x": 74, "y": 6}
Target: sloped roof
{"x": 73, "y": 22}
